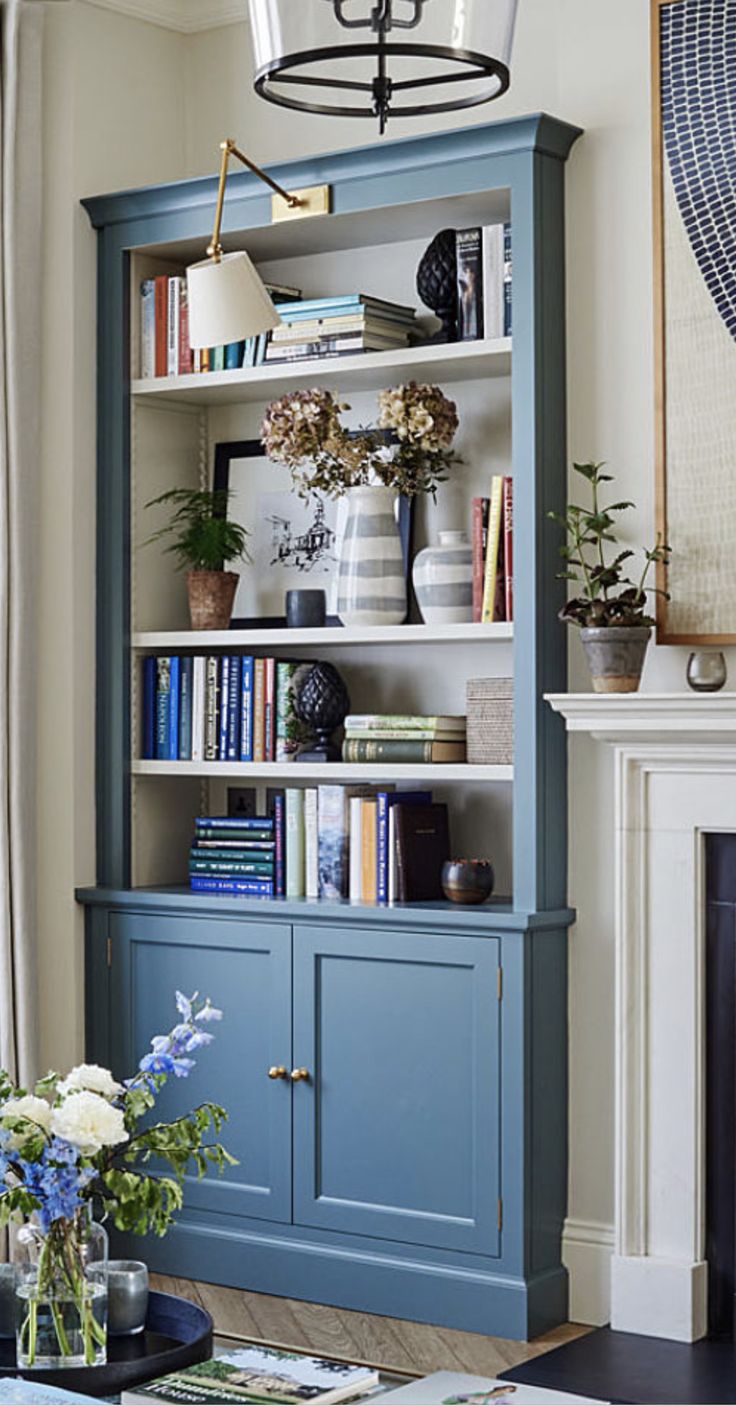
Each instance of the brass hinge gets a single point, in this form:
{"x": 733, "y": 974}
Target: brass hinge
{"x": 500, "y": 983}
{"x": 109, "y": 951}
{"x": 500, "y": 1213}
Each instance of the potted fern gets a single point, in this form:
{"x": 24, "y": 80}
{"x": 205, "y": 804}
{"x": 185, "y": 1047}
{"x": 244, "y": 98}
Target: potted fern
{"x": 611, "y": 608}
{"x": 204, "y": 540}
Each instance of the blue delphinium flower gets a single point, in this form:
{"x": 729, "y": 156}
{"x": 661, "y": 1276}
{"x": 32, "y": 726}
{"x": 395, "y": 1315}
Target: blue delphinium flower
{"x": 57, "y": 1181}
{"x": 170, "y": 1053}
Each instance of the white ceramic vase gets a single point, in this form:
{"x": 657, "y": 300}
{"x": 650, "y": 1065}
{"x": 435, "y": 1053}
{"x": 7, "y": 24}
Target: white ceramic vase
{"x": 443, "y": 580}
{"x": 371, "y": 586}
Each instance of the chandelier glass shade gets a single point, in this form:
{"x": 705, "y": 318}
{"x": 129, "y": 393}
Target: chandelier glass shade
{"x": 382, "y": 58}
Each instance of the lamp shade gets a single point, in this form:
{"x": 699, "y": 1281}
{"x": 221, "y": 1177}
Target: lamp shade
{"x": 227, "y": 302}
{"x": 382, "y": 58}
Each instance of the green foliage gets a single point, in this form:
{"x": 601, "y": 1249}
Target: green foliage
{"x": 203, "y": 537}
{"x": 608, "y": 596}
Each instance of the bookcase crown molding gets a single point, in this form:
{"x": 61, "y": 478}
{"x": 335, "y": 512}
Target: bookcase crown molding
{"x": 186, "y": 16}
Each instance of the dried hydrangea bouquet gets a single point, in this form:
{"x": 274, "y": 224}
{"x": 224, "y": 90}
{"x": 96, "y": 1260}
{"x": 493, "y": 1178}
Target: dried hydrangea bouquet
{"x": 85, "y": 1140}
{"x": 409, "y": 453}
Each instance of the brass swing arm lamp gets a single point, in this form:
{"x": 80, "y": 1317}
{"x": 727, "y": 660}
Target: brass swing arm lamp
{"x": 227, "y": 299}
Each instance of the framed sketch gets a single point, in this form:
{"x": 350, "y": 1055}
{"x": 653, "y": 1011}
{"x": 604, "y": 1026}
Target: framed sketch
{"x": 694, "y": 98}
{"x": 294, "y": 543}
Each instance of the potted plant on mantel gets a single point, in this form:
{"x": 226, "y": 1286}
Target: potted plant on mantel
{"x": 204, "y": 540}
{"x": 611, "y": 609}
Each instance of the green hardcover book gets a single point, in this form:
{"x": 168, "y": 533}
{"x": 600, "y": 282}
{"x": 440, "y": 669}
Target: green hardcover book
{"x": 262, "y": 868}
{"x": 404, "y": 722}
{"x": 374, "y": 750}
{"x": 294, "y": 843}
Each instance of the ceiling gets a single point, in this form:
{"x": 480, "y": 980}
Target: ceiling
{"x": 187, "y": 16}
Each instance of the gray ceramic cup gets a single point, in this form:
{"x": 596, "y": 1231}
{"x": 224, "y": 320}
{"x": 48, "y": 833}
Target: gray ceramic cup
{"x": 127, "y": 1297}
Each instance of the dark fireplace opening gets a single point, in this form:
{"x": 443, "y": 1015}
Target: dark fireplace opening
{"x": 720, "y": 1083}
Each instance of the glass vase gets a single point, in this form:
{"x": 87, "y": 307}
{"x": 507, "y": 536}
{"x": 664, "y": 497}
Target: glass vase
{"x": 61, "y": 1294}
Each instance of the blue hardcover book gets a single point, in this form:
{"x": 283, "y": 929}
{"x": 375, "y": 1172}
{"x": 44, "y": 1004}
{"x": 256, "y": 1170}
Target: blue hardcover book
{"x": 386, "y": 799}
{"x": 148, "y": 328}
{"x": 507, "y": 281}
{"x": 234, "y": 822}
{"x": 246, "y": 709}
{"x": 186, "y": 673}
{"x": 260, "y": 888}
{"x": 224, "y": 691}
{"x": 346, "y": 302}
{"x": 163, "y": 706}
{"x": 217, "y": 360}
{"x": 261, "y": 344}
{"x": 148, "y": 731}
{"x": 174, "y": 701}
{"x": 279, "y": 821}
{"x": 233, "y": 710}
{"x": 234, "y": 356}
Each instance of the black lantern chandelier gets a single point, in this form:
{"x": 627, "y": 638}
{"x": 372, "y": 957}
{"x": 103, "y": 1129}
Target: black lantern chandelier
{"x": 382, "y": 58}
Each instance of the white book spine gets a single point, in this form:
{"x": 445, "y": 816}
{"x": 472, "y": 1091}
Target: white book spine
{"x": 391, "y": 856}
{"x": 356, "y": 849}
{"x": 198, "y": 687}
{"x": 172, "y": 360}
{"x": 493, "y": 279}
{"x": 311, "y": 843}
{"x": 148, "y": 329}
{"x": 294, "y": 843}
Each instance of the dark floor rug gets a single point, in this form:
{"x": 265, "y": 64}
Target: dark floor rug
{"x": 622, "y": 1367}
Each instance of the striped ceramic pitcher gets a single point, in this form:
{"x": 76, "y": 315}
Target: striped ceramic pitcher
{"x": 371, "y": 587}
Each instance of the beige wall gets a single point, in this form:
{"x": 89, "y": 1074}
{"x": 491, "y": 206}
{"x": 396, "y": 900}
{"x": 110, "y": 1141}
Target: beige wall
{"x": 128, "y": 104}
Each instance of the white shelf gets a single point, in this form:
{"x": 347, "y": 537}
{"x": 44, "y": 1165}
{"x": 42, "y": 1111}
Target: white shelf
{"x": 204, "y": 640}
{"x": 329, "y": 771}
{"x": 458, "y": 361}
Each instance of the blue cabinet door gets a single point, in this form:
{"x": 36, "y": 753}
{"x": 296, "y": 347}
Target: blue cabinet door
{"x": 396, "y": 1129}
{"x": 245, "y": 967}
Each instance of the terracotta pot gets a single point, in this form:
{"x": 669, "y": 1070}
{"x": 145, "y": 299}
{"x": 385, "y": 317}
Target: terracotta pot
{"x": 615, "y": 655}
{"x": 211, "y": 598}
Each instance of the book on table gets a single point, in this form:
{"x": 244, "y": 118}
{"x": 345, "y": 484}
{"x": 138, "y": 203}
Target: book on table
{"x": 257, "y": 1374}
{"x": 460, "y": 1389}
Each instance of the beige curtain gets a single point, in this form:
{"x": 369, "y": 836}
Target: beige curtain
{"x": 20, "y": 355}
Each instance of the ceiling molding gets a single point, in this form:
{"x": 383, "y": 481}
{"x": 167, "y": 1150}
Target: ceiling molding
{"x": 186, "y": 16}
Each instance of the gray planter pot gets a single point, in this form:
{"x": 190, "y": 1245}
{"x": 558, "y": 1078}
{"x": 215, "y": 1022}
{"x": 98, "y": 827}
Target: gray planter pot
{"x": 615, "y": 655}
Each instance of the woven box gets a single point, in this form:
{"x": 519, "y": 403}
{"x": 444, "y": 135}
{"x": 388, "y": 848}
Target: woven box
{"x": 490, "y": 704}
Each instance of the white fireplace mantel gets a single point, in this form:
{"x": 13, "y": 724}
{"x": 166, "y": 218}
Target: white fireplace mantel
{"x": 675, "y": 781}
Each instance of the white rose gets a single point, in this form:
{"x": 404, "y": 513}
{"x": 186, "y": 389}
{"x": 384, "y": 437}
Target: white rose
{"x": 36, "y": 1110}
{"x": 89, "y": 1122}
{"x": 92, "y": 1077}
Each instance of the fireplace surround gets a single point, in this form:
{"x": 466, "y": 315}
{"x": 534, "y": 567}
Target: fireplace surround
{"x": 675, "y": 784}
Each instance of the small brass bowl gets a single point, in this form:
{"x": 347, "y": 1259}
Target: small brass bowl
{"x": 468, "y": 880}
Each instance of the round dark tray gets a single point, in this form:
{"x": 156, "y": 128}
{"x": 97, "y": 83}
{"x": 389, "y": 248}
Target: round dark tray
{"x": 177, "y": 1333}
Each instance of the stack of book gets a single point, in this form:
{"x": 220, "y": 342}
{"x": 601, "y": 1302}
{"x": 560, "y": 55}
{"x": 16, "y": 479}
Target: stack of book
{"x": 399, "y": 737}
{"x": 363, "y": 843}
{"x": 232, "y": 855}
{"x": 164, "y": 341}
{"x": 493, "y": 553}
{"x": 484, "y": 282}
{"x": 221, "y": 708}
{"x": 341, "y": 326}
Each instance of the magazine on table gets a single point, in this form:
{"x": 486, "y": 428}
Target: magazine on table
{"x": 257, "y": 1374}
{"x": 459, "y": 1389}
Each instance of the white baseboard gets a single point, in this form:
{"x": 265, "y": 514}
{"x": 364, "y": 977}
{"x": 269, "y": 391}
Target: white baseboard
{"x": 587, "y": 1249}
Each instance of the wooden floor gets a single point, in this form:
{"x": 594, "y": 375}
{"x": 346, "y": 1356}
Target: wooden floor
{"x": 362, "y": 1337}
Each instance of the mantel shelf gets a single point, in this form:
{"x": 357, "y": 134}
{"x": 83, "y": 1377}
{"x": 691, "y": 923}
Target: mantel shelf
{"x": 204, "y": 640}
{"x": 458, "y": 361}
{"x": 686, "y": 719}
{"x": 340, "y": 772}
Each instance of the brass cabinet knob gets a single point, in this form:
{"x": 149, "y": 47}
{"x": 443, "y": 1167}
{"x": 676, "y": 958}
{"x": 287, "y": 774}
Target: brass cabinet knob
{"x": 298, "y": 1075}
{"x": 278, "y": 1071}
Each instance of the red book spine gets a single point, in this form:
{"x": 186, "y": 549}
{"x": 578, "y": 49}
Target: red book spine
{"x": 269, "y": 711}
{"x": 186, "y": 360}
{"x": 162, "y": 327}
{"x": 499, "y": 603}
{"x": 508, "y": 546}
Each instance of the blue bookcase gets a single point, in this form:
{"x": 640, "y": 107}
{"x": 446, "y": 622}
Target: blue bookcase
{"x": 418, "y": 1168}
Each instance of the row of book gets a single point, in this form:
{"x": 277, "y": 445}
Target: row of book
{"x": 484, "y": 282}
{"x": 164, "y": 341}
{"x": 327, "y": 842}
{"x": 493, "y": 553}
{"x": 227, "y": 708}
{"x": 400, "y": 737}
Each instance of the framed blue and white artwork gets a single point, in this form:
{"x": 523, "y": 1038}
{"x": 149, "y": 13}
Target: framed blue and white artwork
{"x": 694, "y": 94}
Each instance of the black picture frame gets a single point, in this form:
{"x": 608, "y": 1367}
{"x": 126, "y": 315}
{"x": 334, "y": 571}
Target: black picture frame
{"x": 227, "y": 454}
